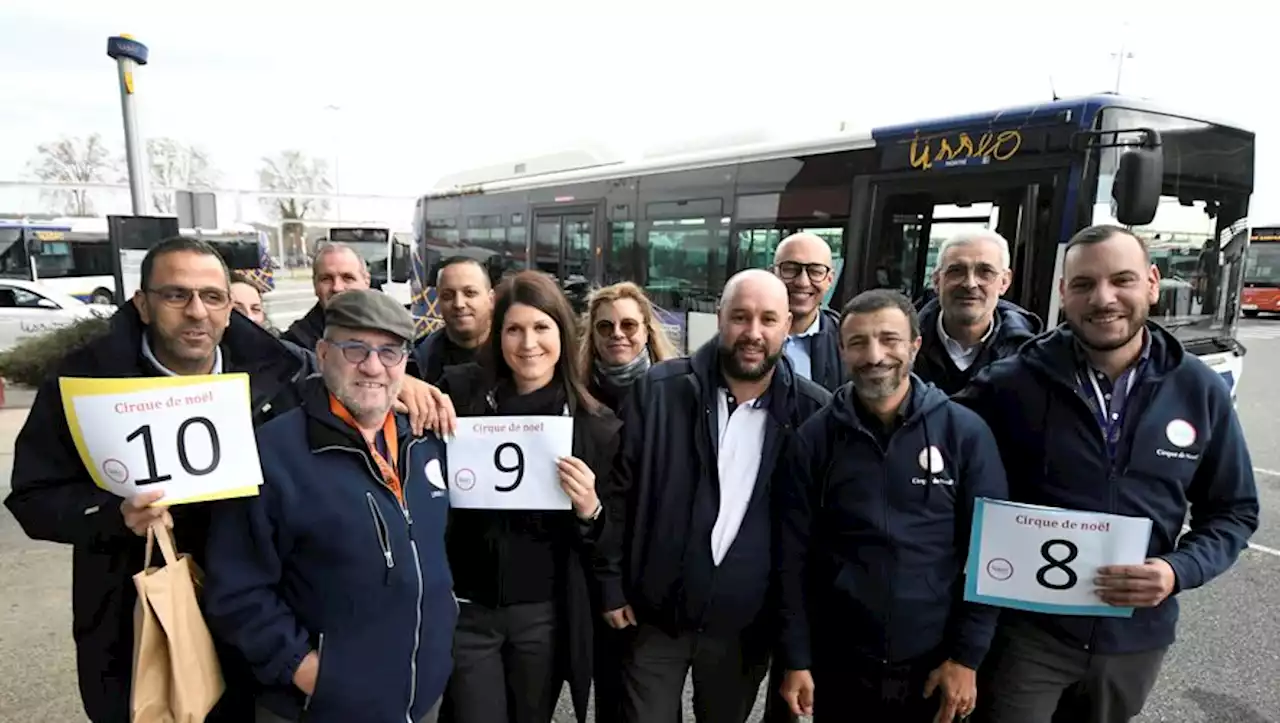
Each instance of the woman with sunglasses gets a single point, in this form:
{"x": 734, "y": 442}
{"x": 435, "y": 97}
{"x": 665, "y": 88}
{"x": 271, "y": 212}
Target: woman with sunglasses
{"x": 525, "y": 620}
{"x": 625, "y": 339}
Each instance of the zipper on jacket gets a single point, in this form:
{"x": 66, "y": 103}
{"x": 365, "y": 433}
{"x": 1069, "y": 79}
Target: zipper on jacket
{"x": 384, "y": 533}
{"x": 319, "y": 659}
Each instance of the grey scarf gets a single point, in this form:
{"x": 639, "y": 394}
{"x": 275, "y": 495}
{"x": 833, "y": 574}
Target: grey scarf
{"x": 624, "y": 374}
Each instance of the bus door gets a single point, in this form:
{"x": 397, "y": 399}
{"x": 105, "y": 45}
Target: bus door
{"x": 566, "y": 245}
{"x": 910, "y": 218}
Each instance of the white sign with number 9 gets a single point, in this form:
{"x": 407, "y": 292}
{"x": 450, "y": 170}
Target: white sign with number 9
{"x": 509, "y": 463}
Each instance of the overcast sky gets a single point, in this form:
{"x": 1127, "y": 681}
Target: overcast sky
{"x": 427, "y": 88}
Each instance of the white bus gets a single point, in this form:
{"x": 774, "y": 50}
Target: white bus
{"x": 386, "y": 250}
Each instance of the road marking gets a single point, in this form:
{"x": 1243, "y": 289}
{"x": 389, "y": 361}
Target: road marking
{"x": 1267, "y": 472}
{"x": 1252, "y": 545}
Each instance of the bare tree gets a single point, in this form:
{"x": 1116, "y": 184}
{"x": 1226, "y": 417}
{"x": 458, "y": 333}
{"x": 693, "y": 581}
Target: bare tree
{"x": 292, "y": 172}
{"x": 177, "y": 165}
{"x": 72, "y": 160}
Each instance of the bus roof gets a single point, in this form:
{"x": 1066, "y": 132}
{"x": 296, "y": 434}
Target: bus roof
{"x": 1074, "y": 109}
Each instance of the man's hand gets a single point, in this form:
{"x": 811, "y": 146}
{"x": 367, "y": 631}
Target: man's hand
{"x": 797, "y": 690}
{"x": 304, "y": 678}
{"x": 620, "y": 618}
{"x": 139, "y": 514}
{"x": 1139, "y": 586}
{"x": 427, "y": 407}
{"x": 959, "y": 688}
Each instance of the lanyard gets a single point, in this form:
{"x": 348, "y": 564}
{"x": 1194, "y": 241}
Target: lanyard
{"x": 1111, "y": 427}
{"x": 386, "y": 468}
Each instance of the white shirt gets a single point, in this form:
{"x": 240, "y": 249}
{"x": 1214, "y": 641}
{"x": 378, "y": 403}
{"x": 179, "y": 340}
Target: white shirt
{"x": 151, "y": 357}
{"x": 740, "y": 443}
{"x": 962, "y": 356}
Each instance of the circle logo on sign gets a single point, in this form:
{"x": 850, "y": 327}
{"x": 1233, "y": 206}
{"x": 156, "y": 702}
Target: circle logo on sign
{"x": 434, "y": 475}
{"x": 115, "y": 471}
{"x": 1000, "y": 568}
{"x": 464, "y": 480}
{"x": 931, "y": 460}
{"x": 1180, "y": 433}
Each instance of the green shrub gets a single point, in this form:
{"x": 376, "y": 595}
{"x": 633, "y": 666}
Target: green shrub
{"x": 34, "y": 359}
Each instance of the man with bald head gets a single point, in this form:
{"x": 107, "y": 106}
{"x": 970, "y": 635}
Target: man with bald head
{"x": 803, "y": 262}
{"x": 968, "y": 325}
{"x": 685, "y": 543}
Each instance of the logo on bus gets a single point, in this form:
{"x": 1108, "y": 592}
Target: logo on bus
{"x": 962, "y": 150}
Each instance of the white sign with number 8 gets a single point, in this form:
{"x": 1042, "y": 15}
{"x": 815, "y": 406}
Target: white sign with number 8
{"x": 1045, "y": 559}
{"x": 509, "y": 463}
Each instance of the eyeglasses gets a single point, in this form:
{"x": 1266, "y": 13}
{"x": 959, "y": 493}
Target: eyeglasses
{"x": 984, "y": 273}
{"x": 788, "y": 270}
{"x": 179, "y": 297}
{"x": 356, "y": 352}
{"x": 605, "y": 327}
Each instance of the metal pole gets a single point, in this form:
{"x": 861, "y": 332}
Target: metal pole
{"x": 129, "y": 54}
{"x": 337, "y": 155}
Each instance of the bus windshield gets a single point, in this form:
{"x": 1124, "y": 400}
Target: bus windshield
{"x": 1262, "y": 265}
{"x": 1208, "y": 172}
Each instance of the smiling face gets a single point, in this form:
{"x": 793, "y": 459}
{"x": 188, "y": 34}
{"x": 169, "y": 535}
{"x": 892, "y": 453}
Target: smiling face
{"x": 878, "y": 348}
{"x": 798, "y": 260}
{"x": 465, "y": 300}
{"x": 754, "y": 322}
{"x": 619, "y": 330}
{"x": 969, "y": 279}
{"x": 335, "y": 271}
{"x": 368, "y": 385}
{"x": 186, "y": 305}
{"x": 530, "y": 346}
{"x": 1107, "y": 289}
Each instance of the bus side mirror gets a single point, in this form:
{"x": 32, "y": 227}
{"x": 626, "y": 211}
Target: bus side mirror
{"x": 1135, "y": 192}
{"x": 35, "y": 246}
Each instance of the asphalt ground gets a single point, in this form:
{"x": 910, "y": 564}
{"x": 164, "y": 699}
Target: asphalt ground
{"x": 1225, "y": 667}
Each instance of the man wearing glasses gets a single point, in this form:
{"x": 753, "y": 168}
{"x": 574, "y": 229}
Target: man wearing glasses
{"x": 803, "y": 262}
{"x": 968, "y": 325}
{"x": 353, "y": 509}
{"x": 179, "y": 323}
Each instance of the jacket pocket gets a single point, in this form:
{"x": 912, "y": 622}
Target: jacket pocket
{"x": 306, "y": 704}
{"x": 380, "y": 525}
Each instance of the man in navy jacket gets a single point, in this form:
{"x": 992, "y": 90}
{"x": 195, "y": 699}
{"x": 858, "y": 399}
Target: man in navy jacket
{"x": 875, "y": 509}
{"x": 333, "y": 583}
{"x": 1139, "y": 428}
{"x": 687, "y": 530}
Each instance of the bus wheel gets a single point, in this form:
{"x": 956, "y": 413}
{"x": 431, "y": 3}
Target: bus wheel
{"x": 100, "y": 296}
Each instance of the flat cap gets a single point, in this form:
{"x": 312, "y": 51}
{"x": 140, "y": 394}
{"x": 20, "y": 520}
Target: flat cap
{"x": 369, "y": 309}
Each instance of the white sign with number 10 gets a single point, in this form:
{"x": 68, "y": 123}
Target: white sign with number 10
{"x": 1045, "y": 559}
{"x": 509, "y": 463}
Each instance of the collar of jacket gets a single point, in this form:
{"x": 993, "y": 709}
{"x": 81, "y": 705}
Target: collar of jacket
{"x": 705, "y": 367}
{"x": 1054, "y": 354}
{"x": 246, "y": 347}
{"x": 325, "y": 430}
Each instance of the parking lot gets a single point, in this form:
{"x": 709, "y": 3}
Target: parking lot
{"x": 1224, "y": 669}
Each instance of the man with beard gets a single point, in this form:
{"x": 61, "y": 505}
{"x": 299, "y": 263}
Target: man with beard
{"x": 1139, "y": 428}
{"x": 466, "y": 303}
{"x": 333, "y": 582}
{"x": 336, "y": 268}
{"x": 968, "y": 325}
{"x": 875, "y": 508}
{"x": 684, "y": 549}
{"x": 803, "y": 262}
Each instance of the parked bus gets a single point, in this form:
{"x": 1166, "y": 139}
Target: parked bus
{"x": 1262, "y": 272}
{"x": 74, "y": 255}
{"x": 681, "y": 225}
{"x": 387, "y": 253}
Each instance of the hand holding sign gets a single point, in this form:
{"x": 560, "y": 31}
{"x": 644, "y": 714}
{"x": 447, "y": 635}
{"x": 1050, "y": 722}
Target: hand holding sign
{"x": 512, "y": 463}
{"x": 165, "y": 434}
{"x": 579, "y": 482}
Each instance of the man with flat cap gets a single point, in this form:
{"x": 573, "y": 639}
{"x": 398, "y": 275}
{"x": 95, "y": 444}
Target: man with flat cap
{"x": 333, "y": 582}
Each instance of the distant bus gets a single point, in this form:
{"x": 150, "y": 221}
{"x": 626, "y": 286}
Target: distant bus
{"x": 387, "y": 253}
{"x": 75, "y": 255}
{"x": 680, "y": 225}
{"x": 1262, "y": 272}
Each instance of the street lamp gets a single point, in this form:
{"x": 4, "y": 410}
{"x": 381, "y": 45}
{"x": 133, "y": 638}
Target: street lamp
{"x": 337, "y": 155}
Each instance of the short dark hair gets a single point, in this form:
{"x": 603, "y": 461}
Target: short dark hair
{"x": 173, "y": 245}
{"x": 1098, "y": 233}
{"x": 869, "y": 302}
{"x": 455, "y": 260}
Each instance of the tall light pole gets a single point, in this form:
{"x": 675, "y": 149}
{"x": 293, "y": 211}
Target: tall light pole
{"x": 1122, "y": 55}
{"x": 337, "y": 154}
{"x": 129, "y": 54}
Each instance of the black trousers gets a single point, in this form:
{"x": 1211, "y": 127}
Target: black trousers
{"x": 1032, "y": 677}
{"x": 611, "y": 647}
{"x": 727, "y": 671}
{"x": 863, "y": 690}
{"x": 504, "y": 664}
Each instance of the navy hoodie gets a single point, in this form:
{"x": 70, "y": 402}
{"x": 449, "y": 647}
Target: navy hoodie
{"x": 1156, "y": 473}
{"x": 326, "y": 558}
{"x": 873, "y": 540}
{"x": 1014, "y": 326}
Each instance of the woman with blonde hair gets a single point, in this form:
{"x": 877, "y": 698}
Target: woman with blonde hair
{"x": 624, "y": 338}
